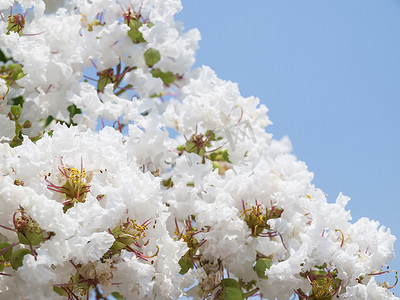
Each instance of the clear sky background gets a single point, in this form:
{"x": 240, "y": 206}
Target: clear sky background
{"x": 329, "y": 71}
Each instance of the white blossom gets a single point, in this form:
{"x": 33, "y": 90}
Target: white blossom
{"x": 185, "y": 194}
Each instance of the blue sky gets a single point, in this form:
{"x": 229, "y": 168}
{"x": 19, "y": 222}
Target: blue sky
{"x": 329, "y": 71}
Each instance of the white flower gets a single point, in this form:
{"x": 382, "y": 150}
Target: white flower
{"x": 195, "y": 188}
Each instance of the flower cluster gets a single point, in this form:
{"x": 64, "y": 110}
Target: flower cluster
{"x": 183, "y": 194}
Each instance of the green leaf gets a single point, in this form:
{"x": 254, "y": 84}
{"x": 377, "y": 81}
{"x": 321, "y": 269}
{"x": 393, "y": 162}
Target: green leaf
{"x": 229, "y": 282}
{"x": 261, "y": 265}
{"x": 185, "y": 263}
{"x": 2, "y": 263}
{"x": 166, "y": 77}
{"x": 231, "y": 293}
{"x": 34, "y": 237}
{"x": 210, "y": 135}
{"x": 225, "y": 156}
{"x": 152, "y": 56}
{"x": 60, "y": 291}
{"x": 221, "y": 155}
{"x": 3, "y": 58}
{"x": 22, "y": 239}
{"x": 134, "y": 33}
{"x": 18, "y": 100}
{"x": 117, "y": 296}
{"x": 8, "y": 253}
{"x": 17, "y": 257}
{"x": 103, "y": 81}
{"x": 73, "y": 110}
{"x": 49, "y": 119}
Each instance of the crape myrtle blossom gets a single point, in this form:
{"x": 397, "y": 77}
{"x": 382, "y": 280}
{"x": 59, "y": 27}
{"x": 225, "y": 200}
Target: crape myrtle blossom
{"x": 185, "y": 194}
{"x": 117, "y": 190}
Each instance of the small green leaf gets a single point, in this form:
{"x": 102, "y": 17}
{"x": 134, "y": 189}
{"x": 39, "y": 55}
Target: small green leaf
{"x": 231, "y": 293}
{"x": 117, "y": 296}
{"x": 155, "y": 95}
{"x": 49, "y": 119}
{"x": 17, "y": 257}
{"x": 210, "y": 135}
{"x": 103, "y": 81}
{"x": 73, "y": 110}
{"x": 60, "y": 291}
{"x": 225, "y": 156}
{"x": 261, "y": 265}
{"x": 134, "y": 33}
{"x": 185, "y": 263}
{"x": 152, "y": 56}
{"x": 18, "y": 100}
{"x": 34, "y": 237}
{"x": 8, "y": 253}
{"x": 3, "y": 58}
{"x": 221, "y": 155}
{"x": 229, "y": 282}
{"x": 166, "y": 77}
{"x": 22, "y": 239}
{"x": 2, "y": 260}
